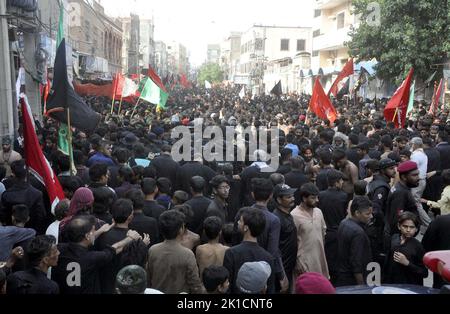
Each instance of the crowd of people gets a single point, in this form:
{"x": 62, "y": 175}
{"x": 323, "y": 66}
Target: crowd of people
{"x": 135, "y": 220}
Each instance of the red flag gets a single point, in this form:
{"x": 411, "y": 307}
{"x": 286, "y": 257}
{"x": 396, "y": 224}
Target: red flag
{"x": 321, "y": 105}
{"x": 156, "y": 79}
{"x": 118, "y": 83}
{"x": 437, "y": 97}
{"x": 346, "y": 71}
{"x": 397, "y": 107}
{"x": 184, "y": 81}
{"x": 35, "y": 159}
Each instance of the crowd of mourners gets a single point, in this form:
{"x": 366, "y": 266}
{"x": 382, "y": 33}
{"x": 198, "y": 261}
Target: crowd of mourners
{"x": 345, "y": 195}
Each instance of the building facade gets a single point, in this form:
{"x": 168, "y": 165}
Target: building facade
{"x": 147, "y": 44}
{"x": 178, "y": 61}
{"x": 262, "y": 45}
{"x": 96, "y": 37}
{"x": 213, "y": 53}
{"x": 161, "y": 59}
{"x": 230, "y": 52}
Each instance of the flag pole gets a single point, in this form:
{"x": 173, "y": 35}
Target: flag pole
{"x": 135, "y": 107}
{"x": 69, "y": 139}
{"x": 395, "y": 115}
{"x": 114, "y": 93}
{"x": 120, "y": 105}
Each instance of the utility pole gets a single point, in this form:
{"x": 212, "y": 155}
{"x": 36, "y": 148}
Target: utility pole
{"x": 6, "y": 104}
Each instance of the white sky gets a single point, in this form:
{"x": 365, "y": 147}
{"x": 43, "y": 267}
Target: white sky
{"x": 196, "y": 23}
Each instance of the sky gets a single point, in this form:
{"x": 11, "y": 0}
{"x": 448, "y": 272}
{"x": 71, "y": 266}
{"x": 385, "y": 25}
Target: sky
{"x": 197, "y": 23}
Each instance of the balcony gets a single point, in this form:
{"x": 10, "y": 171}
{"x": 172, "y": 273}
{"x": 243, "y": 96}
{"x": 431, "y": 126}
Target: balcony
{"x": 331, "y": 40}
{"x": 328, "y": 4}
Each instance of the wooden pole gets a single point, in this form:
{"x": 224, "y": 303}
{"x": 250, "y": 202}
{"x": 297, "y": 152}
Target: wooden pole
{"x": 135, "y": 107}
{"x": 69, "y": 139}
{"x": 114, "y": 93}
{"x": 120, "y": 105}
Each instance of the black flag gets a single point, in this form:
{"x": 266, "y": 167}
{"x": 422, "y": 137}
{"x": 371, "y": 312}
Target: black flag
{"x": 277, "y": 89}
{"x": 345, "y": 90}
{"x": 62, "y": 96}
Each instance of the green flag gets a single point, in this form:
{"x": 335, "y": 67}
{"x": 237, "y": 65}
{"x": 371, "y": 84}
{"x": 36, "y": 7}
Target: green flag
{"x": 64, "y": 134}
{"x": 153, "y": 93}
{"x": 411, "y": 98}
{"x": 60, "y": 35}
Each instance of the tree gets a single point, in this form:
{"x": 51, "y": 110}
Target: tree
{"x": 409, "y": 33}
{"x": 210, "y": 72}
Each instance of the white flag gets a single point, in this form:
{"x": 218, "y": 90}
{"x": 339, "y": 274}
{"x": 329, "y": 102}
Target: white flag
{"x": 129, "y": 88}
{"x": 20, "y": 81}
{"x": 208, "y": 85}
{"x": 242, "y": 93}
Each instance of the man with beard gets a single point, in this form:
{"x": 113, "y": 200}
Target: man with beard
{"x": 400, "y": 198}
{"x": 378, "y": 192}
{"x": 284, "y": 198}
{"x": 7, "y": 155}
{"x": 311, "y": 228}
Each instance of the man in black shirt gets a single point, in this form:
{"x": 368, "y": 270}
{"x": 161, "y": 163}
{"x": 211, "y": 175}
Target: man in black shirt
{"x": 42, "y": 254}
{"x": 78, "y": 268}
{"x": 251, "y": 224}
{"x": 400, "y": 198}
{"x": 199, "y": 204}
{"x": 333, "y": 204}
{"x": 285, "y": 202}
{"x": 141, "y": 223}
{"x": 165, "y": 166}
{"x": 219, "y": 207}
{"x": 296, "y": 178}
{"x": 325, "y": 159}
{"x": 378, "y": 192}
{"x": 353, "y": 244}
{"x": 151, "y": 207}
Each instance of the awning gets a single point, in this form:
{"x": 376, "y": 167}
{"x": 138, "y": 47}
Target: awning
{"x": 369, "y": 66}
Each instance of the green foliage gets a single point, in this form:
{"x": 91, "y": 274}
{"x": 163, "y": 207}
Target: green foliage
{"x": 411, "y": 33}
{"x": 210, "y": 72}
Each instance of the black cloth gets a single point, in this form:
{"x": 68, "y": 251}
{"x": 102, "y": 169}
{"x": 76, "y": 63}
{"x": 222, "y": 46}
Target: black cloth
{"x": 353, "y": 252}
{"x": 288, "y": 242}
{"x": 235, "y": 197}
{"x": 378, "y": 192}
{"x": 189, "y": 170}
{"x": 124, "y": 188}
{"x": 247, "y": 175}
{"x": 144, "y": 224}
{"x": 66, "y": 181}
{"x": 283, "y": 169}
{"x": 24, "y": 193}
{"x": 322, "y": 179}
{"x": 437, "y": 238}
{"x": 91, "y": 262}
{"x": 108, "y": 272}
{"x": 245, "y": 252}
{"x": 444, "y": 151}
{"x": 153, "y": 209}
{"x": 434, "y": 159}
{"x": 166, "y": 167}
{"x": 32, "y": 281}
{"x": 400, "y": 200}
{"x": 295, "y": 179}
{"x": 105, "y": 217}
{"x": 114, "y": 181}
{"x": 353, "y": 156}
{"x": 62, "y": 95}
{"x": 98, "y": 186}
{"x": 333, "y": 204}
{"x": 415, "y": 272}
{"x": 218, "y": 209}
{"x": 199, "y": 205}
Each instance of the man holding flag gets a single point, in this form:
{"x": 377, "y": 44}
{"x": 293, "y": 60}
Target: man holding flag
{"x": 321, "y": 105}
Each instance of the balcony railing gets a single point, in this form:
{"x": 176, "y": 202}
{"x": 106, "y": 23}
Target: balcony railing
{"x": 331, "y": 40}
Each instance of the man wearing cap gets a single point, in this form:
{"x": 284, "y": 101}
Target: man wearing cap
{"x": 252, "y": 277}
{"x": 421, "y": 159}
{"x": 8, "y": 155}
{"x": 400, "y": 198}
{"x": 378, "y": 192}
{"x": 285, "y": 202}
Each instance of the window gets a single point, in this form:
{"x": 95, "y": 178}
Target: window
{"x": 340, "y": 20}
{"x": 316, "y": 33}
{"x": 315, "y": 53}
{"x": 300, "y": 45}
{"x": 317, "y": 13}
{"x": 285, "y": 45}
